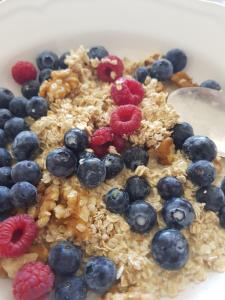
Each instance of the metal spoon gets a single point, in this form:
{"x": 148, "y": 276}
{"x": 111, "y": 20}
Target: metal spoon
{"x": 204, "y": 109}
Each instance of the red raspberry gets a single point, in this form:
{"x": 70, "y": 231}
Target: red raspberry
{"x": 24, "y": 71}
{"x": 119, "y": 143}
{"x": 33, "y": 282}
{"x": 102, "y": 136}
{"x": 125, "y": 119}
{"x": 127, "y": 91}
{"x": 101, "y": 150}
{"x": 17, "y": 235}
{"x": 110, "y": 68}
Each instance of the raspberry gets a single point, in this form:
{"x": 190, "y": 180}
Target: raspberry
{"x": 33, "y": 281}
{"x": 125, "y": 119}
{"x": 127, "y": 91}
{"x": 17, "y": 235}
{"x": 118, "y": 142}
{"x": 24, "y": 71}
{"x": 101, "y": 150}
{"x": 102, "y": 136}
{"x": 110, "y": 68}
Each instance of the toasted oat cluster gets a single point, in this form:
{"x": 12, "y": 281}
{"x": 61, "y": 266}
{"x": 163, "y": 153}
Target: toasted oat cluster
{"x": 66, "y": 210}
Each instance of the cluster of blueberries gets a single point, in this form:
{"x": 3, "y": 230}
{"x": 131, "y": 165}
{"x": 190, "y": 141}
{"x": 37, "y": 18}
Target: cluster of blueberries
{"x": 65, "y": 259}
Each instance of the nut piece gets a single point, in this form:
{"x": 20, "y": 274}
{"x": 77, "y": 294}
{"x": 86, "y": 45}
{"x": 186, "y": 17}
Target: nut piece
{"x": 181, "y": 79}
{"x": 165, "y": 152}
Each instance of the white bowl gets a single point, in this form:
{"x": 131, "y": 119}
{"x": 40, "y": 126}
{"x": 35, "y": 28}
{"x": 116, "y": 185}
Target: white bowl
{"x": 126, "y": 27}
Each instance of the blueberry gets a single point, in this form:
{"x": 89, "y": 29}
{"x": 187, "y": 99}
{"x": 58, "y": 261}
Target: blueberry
{"x": 137, "y": 187}
{"x": 26, "y": 145}
{"x": 178, "y": 59}
{"x": 18, "y": 107}
{"x": 222, "y": 217}
{"x": 5, "y": 97}
{"x": 100, "y": 274}
{"x": 140, "y": 74}
{"x": 141, "y": 216}
{"x": 5, "y": 177}
{"x": 114, "y": 165}
{"x": 37, "y": 107}
{"x": 5, "y": 199}
{"x": 61, "y": 162}
{"x": 5, "y": 158}
{"x": 212, "y": 196}
{"x": 73, "y": 288}
{"x": 23, "y": 194}
{"x": 169, "y": 187}
{"x": 3, "y": 140}
{"x": 44, "y": 74}
{"x": 76, "y": 139}
{"x": 180, "y": 133}
{"x": 200, "y": 148}
{"x": 116, "y": 200}
{"x": 65, "y": 258}
{"x": 97, "y": 52}
{"x": 91, "y": 172}
{"x": 47, "y": 60}
{"x": 178, "y": 213}
{"x": 170, "y": 249}
{"x": 62, "y": 64}
{"x": 86, "y": 154}
{"x": 14, "y": 126}
{"x": 30, "y": 89}
{"x": 5, "y": 115}
{"x": 201, "y": 173}
{"x": 161, "y": 69}
{"x": 26, "y": 170}
{"x": 223, "y": 185}
{"x": 4, "y": 216}
{"x": 134, "y": 157}
{"x": 211, "y": 84}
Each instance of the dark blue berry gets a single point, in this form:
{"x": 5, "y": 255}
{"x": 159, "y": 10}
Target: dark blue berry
{"x": 222, "y": 217}
{"x": 212, "y": 196}
{"x": 180, "y": 133}
{"x": 5, "y": 158}
{"x": 61, "y": 162}
{"x": 44, "y": 74}
{"x": 141, "y": 216}
{"x": 5, "y": 215}
{"x": 223, "y": 185}
{"x": 73, "y": 288}
{"x": 23, "y": 194}
{"x": 91, "y": 172}
{"x": 86, "y": 154}
{"x": 137, "y": 187}
{"x": 5, "y": 97}
{"x": 5, "y": 177}
{"x": 65, "y": 258}
{"x": 169, "y": 187}
{"x": 5, "y": 115}
{"x": 26, "y": 145}
{"x": 47, "y": 60}
{"x": 178, "y": 213}
{"x": 3, "y": 140}
{"x": 140, "y": 74}
{"x": 201, "y": 173}
{"x": 114, "y": 165}
{"x": 62, "y": 64}
{"x": 211, "y": 84}
{"x": 134, "y": 157}
{"x": 200, "y": 148}
{"x": 76, "y": 139}
{"x": 14, "y": 126}
{"x": 161, "y": 69}
{"x": 170, "y": 249}
{"x": 26, "y": 170}
{"x": 116, "y": 200}
{"x": 18, "y": 107}
{"x": 98, "y": 52}
{"x": 30, "y": 89}
{"x": 37, "y": 107}
{"x": 100, "y": 274}
{"x": 5, "y": 199}
{"x": 178, "y": 59}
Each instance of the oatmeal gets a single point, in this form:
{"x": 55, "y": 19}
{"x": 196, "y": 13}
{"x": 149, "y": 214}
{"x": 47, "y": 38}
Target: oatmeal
{"x": 69, "y": 210}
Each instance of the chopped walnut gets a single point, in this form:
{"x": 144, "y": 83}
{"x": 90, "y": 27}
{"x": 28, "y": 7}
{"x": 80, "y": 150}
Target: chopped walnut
{"x": 182, "y": 79}
{"x": 165, "y": 152}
